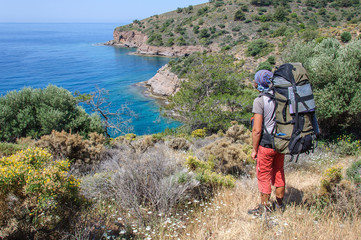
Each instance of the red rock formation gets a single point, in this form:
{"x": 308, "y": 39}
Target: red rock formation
{"x": 138, "y": 40}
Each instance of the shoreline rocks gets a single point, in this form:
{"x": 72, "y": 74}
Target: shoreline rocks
{"x": 136, "y": 39}
{"x": 164, "y": 83}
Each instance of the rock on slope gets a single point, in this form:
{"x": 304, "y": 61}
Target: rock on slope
{"x": 164, "y": 83}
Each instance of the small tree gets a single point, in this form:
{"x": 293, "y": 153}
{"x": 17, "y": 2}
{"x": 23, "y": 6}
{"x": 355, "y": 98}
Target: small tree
{"x": 114, "y": 121}
{"x": 214, "y": 94}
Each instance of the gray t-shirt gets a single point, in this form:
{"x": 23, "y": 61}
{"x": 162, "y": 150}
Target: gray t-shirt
{"x": 265, "y": 106}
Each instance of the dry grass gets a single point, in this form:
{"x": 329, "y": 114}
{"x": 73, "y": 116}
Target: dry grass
{"x": 226, "y": 216}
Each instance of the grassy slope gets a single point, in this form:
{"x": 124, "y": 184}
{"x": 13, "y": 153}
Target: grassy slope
{"x": 225, "y": 217}
{"x": 226, "y": 31}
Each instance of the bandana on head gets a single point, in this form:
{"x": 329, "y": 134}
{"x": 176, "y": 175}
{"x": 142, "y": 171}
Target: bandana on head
{"x": 262, "y": 78}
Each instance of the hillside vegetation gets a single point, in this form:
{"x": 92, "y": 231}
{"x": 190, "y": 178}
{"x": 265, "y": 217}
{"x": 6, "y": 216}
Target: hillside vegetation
{"x": 227, "y": 23}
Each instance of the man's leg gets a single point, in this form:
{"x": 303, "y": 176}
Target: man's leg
{"x": 264, "y": 173}
{"x": 265, "y": 198}
{"x": 278, "y": 178}
{"x": 280, "y": 193}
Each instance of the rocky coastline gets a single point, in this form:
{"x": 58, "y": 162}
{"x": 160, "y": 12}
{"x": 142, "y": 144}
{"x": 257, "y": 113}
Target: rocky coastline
{"x": 164, "y": 83}
{"x": 136, "y": 39}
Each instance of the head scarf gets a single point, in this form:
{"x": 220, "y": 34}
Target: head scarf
{"x": 262, "y": 78}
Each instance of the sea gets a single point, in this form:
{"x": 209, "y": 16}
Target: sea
{"x": 72, "y": 56}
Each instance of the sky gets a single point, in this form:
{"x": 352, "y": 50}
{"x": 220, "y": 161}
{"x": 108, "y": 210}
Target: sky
{"x": 49, "y": 11}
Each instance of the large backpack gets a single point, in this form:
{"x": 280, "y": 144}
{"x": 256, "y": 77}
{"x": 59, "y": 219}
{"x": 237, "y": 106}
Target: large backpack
{"x": 295, "y": 120}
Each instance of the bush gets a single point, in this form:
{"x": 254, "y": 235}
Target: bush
{"x": 179, "y": 144}
{"x": 261, "y": 2}
{"x": 309, "y": 35}
{"x": 280, "y": 31}
{"x": 229, "y": 157}
{"x": 354, "y": 172}
{"x": 239, "y": 134}
{"x": 35, "y": 192}
{"x": 346, "y": 37}
{"x": 205, "y": 175}
{"x": 36, "y": 112}
{"x": 280, "y": 14}
{"x": 7, "y": 149}
{"x": 239, "y": 16}
{"x": 347, "y": 145}
{"x": 336, "y": 195}
{"x": 257, "y": 47}
{"x": 271, "y": 60}
{"x": 264, "y": 66}
{"x": 143, "y": 185}
{"x": 74, "y": 147}
{"x": 201, "y": 133}
{"x": 335, "y": 75}
{"x": 331, "y": 177}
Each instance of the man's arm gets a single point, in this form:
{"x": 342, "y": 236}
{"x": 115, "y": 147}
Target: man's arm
{"x": 256, "y": 133}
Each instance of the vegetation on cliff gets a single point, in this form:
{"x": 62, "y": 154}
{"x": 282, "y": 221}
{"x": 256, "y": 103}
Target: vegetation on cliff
{"x": 233, "y": 22}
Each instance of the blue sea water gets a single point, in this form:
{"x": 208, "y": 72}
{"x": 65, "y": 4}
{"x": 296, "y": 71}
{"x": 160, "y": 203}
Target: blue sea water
{"x": 71, "y": 56}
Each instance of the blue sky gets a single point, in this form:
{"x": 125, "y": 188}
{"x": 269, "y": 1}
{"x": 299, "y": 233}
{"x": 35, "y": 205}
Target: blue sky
{"x": 86, "y": 10}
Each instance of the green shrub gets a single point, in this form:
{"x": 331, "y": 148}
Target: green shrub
{"x": 280, "y": 31}
{"x": 261, "y": 2}
{"x": 239, "y": 16}
{"x": 170, "y": 42}
{"x": 347, "y": 145}
{"x": 271, "y": 60}
{"x": 257, "y": 47}
{"x": 180, "y": 41}
{"x": 205, "y": 175}
{"x": 36, "y": 112}
{"x": 280, "y": 14}
{"x": 346, "y": 37}
{"x": 309, "y": 35}
{"x": 36, "y": 188}
{"x": 354, "y": 172}
{"x": 204, "y": 33}
{"x": 236, "y": 29}
{"x": 7, "y": 149}
{"x": 264, "y": 66}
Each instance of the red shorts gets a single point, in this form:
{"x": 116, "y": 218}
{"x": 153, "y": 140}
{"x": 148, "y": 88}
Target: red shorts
{"x": 269, "y": 169}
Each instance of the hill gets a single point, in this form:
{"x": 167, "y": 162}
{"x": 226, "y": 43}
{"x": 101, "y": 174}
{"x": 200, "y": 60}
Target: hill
{"x": 230, "y": 23}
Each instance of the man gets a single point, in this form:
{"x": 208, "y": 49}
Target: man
{"x": 269, "y": 162}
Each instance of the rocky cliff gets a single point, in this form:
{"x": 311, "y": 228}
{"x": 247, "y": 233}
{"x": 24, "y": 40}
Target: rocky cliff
{"x": 164, "y": 83}
{"x": 136, "y": 39}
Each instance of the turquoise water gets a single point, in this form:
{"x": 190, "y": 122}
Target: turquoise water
{"x": 71, "y": 56}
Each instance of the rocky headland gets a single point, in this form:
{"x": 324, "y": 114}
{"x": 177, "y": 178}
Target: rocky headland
{"x": 136, "y": 39}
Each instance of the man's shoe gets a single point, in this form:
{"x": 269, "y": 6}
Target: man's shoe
{"x": 259, "y": 210}
{"x": 279, "y": 208}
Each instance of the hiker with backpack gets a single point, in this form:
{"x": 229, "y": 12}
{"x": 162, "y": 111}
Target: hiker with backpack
{"x": 270, "y": 163}
{"x": 284, "y": 122}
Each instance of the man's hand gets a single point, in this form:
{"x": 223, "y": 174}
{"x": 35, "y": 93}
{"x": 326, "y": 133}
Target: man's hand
{"x": 254, "y": 154}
